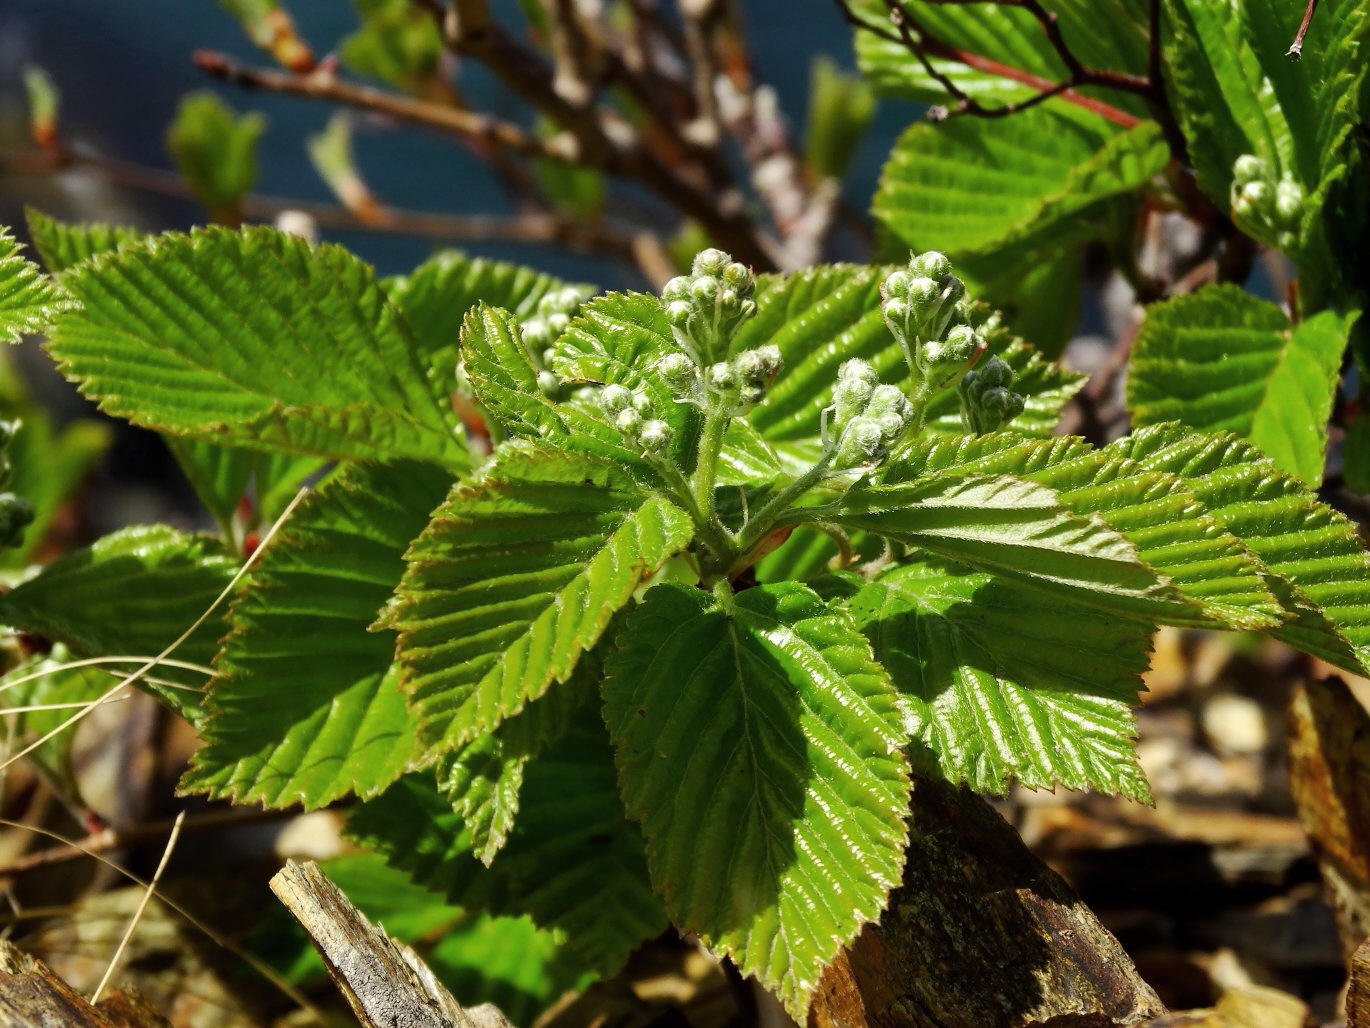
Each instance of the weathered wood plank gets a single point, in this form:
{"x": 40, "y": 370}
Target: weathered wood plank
{"x": 385, "y": 983}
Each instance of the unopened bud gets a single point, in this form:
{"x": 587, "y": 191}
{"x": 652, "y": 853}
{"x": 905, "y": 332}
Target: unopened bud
{"x": 655, "y": 435}
{"x": 710, "y": 262}
{"x": 628, "y": 421}
{"x": 614, "y": 398}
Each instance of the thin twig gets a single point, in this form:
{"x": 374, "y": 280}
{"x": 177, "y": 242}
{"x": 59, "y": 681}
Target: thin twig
{"x": 1296, "y": 48}
{"x": 328, "y": 87}
{"x": 924, "y": 46}
{"x": 142, "y": 906}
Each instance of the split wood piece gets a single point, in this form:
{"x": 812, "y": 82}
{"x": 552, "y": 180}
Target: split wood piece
{"x": 1358, "y": 995}
{"x": 385, "y": 983}
{"x": 1329, "y": 771}
{"x": 980, "y": 932}
{"x": 32, "y": 996}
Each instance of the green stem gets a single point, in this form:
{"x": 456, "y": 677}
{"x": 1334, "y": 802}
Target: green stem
{"x": 706, "y": 471}
{"x": 765, "y": 519}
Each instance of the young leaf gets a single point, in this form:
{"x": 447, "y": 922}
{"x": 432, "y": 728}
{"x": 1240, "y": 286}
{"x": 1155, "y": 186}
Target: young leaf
{"x": 130, "y": 594}
{"x": 397, "y": 43}
{"x": 61, "y": 245}
{"x": 1220, "y": 359}
{"x": 342, "y": 725}
{"x": 434, "y": 297}
{"x": 516, "y": 576}
{"x": 1015, "y": 528}
{"x": 215, "y": 150}
{"x": 841, "y": 106}
{"x": 504, "y": 378}
{"x": 1001, "y": 682}
{"x": 990, "y": 189}
{"x": 1318, "y": 567}
{"x": 1154, "y": 510}
{"x": 761, "y": 749}
{"x": 619, "y": 339}
{"x": 253, "y": 337}
{"x": 29, "y": 300}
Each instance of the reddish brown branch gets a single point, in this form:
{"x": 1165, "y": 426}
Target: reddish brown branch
{"x": 1296, "y": 48}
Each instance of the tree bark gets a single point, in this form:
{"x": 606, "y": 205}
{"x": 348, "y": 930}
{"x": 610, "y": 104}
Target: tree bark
{"x": 385, "y": 983}
{"x": 980, "y": 933}
{"x": 32, "y": 996}
{"x": 1329, "y": 774}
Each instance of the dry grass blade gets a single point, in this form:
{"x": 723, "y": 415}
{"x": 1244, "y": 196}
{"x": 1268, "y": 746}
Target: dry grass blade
{"x": 142, "y": 906}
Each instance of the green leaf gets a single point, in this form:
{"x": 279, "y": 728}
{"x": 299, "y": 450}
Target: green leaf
{"x": 575, "y": 862}
{"x": 483, "y": 778}
{"x": 29, "y": 300}
{"x": 397, "y": 43}
{"x": 47, "y": 465}
{"x": 1236, "y": 92}
{"x": 130, "y": 594}
{"x": 215, "y": 150}
{"x": 1004, "y": 683}
{"x": 989, "y": 189}
{"x": 253, "y": 337}
{"x": 221, "y": 477}
{"x": 341, "y": 726}
{"x": 1220, "y": 359}
{"x": 762, "y": 751}
{"x": 516, "y": 576}
{"x": 435, "y": 295}
{"x": 503, "y": 376}
{"x": 824, "y": 316}
{"x": 1154, "y": 510}
{"x": 1102, "y": 33}
{"x": 61, "y": 244}
{"x": 841, "y": 107}
{"x": 414, "y": 827}
{"x": 1318, "y": 566}
{"x": 1016, "y": 528}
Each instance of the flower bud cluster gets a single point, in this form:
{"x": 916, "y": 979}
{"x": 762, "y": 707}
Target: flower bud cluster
{"x": 868, "y": 418}
{"x": 988, "y": 402}
{"x": 631, "y": 413}
{"x": 924, "y": 308}
{"x": 543, "y": 328}
{"x": 706, "y": 306}
{"x": 739, "y": 384}
{"x": 1258, "y": 199}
